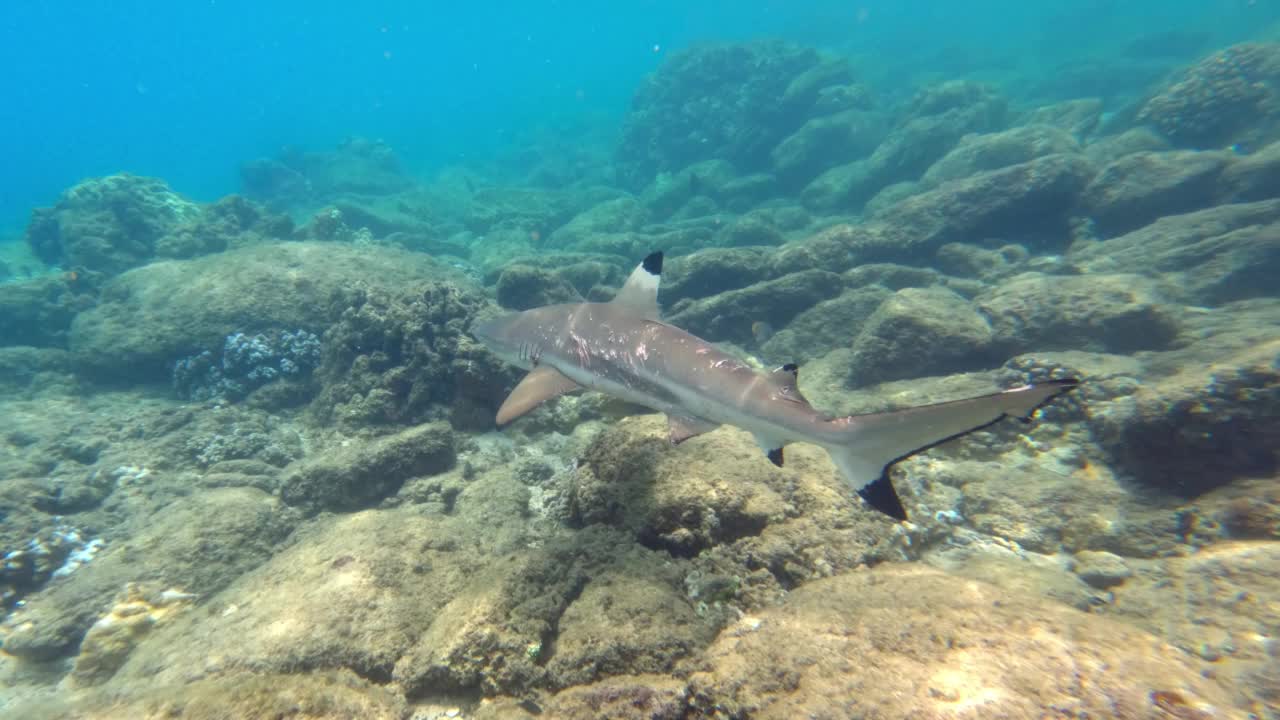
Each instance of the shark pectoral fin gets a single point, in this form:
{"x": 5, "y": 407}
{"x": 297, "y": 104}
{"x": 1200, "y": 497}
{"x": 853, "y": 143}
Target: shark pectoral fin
{"x": 683, "y": 427}
{"x": 540, "y": 385}
{"x": 640, "y": 292}
{"x": 875, "y": 442}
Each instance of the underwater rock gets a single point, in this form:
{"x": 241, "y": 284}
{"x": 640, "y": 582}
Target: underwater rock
{"x": 824, "y": 142}
{"x": 986, "y": 264}
{"x": 1093, "y": 313}
{"x": 1231, "y": 96}
{"x": 357, "y": 476}
{"x": 611, "y": 216}
{"x": 627, "y": 697}
{"x": 1207, "y": 257}
{"x": 357, "y": 166}
{"x": 1030, "y": 199}
{"x": 108, "y": 224}
{"x": 522, "y": 209}
{"x": 521, "y": 287}
{"x": 404, "y": 356}
{"x": 199, "y": 544}
{"x": 992, "y": 151}
{"x": 24, "y": 368}
{"x": 1228, "y": 586}
{"x": 1108, "y": 149}
{"x": 731, "y": 314}
{"x": 631, "y": 618}
{"x": 1079, "y": 117}
{"x": 1141, "y": 187}
{"x": 1210, "y": 415}
{"x": 922, "y": 331}
{"x": 669, "y": 192}
{"x": 1010, "y": 655}
{"x": 152, "y": 316}
{"x": 750, "y": 230}
{"x": 1252, "y": 177}
{"x": 1102, "y": 569}
{"x": 721, "y": 101}
{"x": 712, "y": 271}
{"x": 38, "y": 312}
{"x": 825, "y": 326}
{"x": 113, "y": 636}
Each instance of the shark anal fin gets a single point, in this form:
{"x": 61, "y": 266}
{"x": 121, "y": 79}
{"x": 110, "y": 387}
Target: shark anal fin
{"x": 880, "y": 495}
{"x": 640, "y": 292}
{"x": 775, "y": 456}
{"x": 540, "y": 385}
{"x": 683, "y": 427}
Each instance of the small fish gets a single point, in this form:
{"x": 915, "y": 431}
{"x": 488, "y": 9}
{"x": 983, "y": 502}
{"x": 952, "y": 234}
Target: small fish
{"x": 762, "y": 331}
{"x": 623, "y": 348}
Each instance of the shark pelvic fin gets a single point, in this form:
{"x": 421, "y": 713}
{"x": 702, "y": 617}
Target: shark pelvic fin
{"x": 540, "y": 385}
{"x": 640, "y": 292}
{"x": 683, "y": 427}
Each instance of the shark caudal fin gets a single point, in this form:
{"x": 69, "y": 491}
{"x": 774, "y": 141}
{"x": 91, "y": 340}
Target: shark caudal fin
{"x": 875, "y": 442}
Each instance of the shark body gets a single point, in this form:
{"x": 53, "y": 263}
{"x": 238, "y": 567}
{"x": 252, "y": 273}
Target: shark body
{"x": 622, "y": 348}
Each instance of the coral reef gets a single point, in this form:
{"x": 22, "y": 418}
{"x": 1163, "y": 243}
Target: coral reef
{"x": 245, "y": 364}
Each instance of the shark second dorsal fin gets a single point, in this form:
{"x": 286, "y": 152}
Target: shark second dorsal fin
{"x": 785, "y": 379}
{"x": 540, "y": 385}
{"x": 640, "y": 292}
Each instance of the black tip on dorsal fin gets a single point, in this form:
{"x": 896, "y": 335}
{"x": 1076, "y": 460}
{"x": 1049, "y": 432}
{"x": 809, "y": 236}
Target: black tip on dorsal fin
{"x": 881, "y": 496}
{"x": 792, "y": 368}
{"x": 775, "y": 456}
{"x": 653, "y": 263}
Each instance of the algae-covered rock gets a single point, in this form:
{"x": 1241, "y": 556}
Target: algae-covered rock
{"x": 521, "y": 287}
{"x": 1144, "y": 186}
{"x": 825, "y": 326}
{"x": 721, "y": 101}
{"x": 359, "y": 475}
{"x": 404, "y": 355}
{"x": 926, "y": 644}
{"x": 108, "y": 225}
{"x": 992, "y": 151}
{"x": 154, "y": 315}
{"x": 38, "y": 312}
{"x": 1027, "y": 199}
{"x": 1230, "y": 96}
{"x": 197, "y": 545}
{"x": 1208, "y": 257}
{"x": 1101, "y": 313}
{"x": 1252, "y": 177}
{"x": 731, "y": 314}
{"x": 712, "y": 271}
{"x": 922, "y": 331}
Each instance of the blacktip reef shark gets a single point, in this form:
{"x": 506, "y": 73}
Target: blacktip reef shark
{"x": 622, "y": 348}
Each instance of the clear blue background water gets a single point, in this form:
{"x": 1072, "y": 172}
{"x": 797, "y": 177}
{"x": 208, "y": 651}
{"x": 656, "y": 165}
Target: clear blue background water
{"x": 188, "y": 90}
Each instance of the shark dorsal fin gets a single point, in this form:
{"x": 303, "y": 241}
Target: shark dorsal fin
{"x": 540, "y": 385}
{"x": 640, "y": 293}
{"x": 785, "y": 379}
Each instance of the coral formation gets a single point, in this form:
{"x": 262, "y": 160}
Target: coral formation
{"x": 246, "y": 363}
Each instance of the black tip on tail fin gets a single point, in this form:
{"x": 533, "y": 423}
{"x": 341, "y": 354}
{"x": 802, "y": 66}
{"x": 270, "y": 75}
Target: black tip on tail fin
{"x": 881, "y": 496}
{"x": 775, "y": 456}
{"x": 653, "y": 263}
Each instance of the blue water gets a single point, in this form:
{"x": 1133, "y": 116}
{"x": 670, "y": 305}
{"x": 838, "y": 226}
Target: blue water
{"x": 186, "y": 91}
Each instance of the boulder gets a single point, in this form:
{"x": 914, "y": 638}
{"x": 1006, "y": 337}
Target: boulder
{"x": 1141, "y": 187}
{"x": 731, "y": 314}
{"x": 712, "y": 271}
{"x": 1094, "y": 313}
{"x": 1206, "y": 257}
{"x": 1252, "y": 177}
{"x": 151, "y": 316}
{"x": 521, "y": 287}
{"x": 992, "y": 151}
{"x": 359, "y": 475}
{"x": 1010, "y": 655}
{"x": 1035, "y": 195}
{"x": 1231, "y": 96}
{"x": 922, "y": 331}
